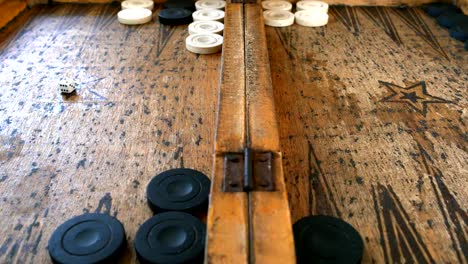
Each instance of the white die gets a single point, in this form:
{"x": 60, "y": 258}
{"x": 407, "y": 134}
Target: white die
{"x": 67, "y": 86}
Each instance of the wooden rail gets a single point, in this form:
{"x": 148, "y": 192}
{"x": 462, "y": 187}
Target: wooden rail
{"x": 247, "y": 227}
{"x": 227, "y": 215}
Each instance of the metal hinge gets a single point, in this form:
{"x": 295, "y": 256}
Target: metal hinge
{"x": 248, "y": 171}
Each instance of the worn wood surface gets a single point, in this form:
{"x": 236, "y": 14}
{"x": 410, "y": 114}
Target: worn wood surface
{"x": 273, "y": 240}
{"x": 372, "y": 115}
{"x": 391, "y": 161}
{"x": 271, "y": 228}
{"x": 227, "y": 239}
{"x": 227, "y": 226}
{"x": 230, "y": 133}
{"x": 262, "y": 123}
{"x": 145, "y": 105}
{"x": 379, "y": 2}
{"x": 341, "y": 2}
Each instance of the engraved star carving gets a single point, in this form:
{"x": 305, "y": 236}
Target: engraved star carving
{"x": 414, "y": 95}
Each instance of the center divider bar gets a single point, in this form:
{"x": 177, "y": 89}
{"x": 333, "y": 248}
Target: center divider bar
{"x": 252, "y": 226}
{"x": 271, "y": 228}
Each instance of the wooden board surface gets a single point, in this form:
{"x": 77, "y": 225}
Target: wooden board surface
{"x": 145, "y": 105}
{"x": 355, "y": 146}
{"x": 372, "y": 115}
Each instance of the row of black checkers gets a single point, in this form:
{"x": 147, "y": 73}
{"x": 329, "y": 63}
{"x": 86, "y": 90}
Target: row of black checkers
{"x": 177, "y": 12}
{"x": 451, "y": 17}
{"x": 175, "y": 234}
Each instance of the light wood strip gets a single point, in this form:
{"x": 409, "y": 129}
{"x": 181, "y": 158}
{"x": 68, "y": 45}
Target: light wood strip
{"x": 227, "y": 239}
{"x": 263, "y": 127}
{"x": 227, "y": 227}
{"x": 271, "y": 222}
{"x": 271, "y": 230}
{"x": 230, "y": 135}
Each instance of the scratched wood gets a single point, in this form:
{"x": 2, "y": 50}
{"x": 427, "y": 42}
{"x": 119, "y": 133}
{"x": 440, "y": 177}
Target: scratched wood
{"x": 271, "y": 237}
{"x": 227, "y": 239}
{"x": 230, "y": 134}
{"x": 145, "y": 105}
{"x": 372, "y": 116}
{"x": 263, "y": 127}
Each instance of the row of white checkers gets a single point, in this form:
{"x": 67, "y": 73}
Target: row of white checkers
{"x": 206, "y": 30}
{"x": 309, "y": 13}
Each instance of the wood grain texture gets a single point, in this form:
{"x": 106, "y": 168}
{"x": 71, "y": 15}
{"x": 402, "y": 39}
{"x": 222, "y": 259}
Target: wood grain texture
{"x": 271, "y": 228}
{"x": 363, "y": 141}
{"x": 379, "y": 2}
{"x": 227, "y": 236}
{"x": 145, "y": 104}
{"x": 262, "y": 123}
{"x": 227, "y": 239}
{"x": 230, "y": 133}
{"x": 273, "y": 240}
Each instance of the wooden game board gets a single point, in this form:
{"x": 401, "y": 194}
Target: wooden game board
{"x": 371, "y": 127}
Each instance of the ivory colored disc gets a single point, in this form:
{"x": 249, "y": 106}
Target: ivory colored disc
{"x": 278, "y": 18}
{"x": 311, "y": 18}
{"x": 312, "y": 5}
{"x": 277, "y": 5}
{"x": 208, "y": 15}
{"x": 198, "y": 27}
{"x": 204, "y": 43}
{"x": 134, "y": 16}
{"x": 210, "y": 4}
{"x": 132, "y": 4}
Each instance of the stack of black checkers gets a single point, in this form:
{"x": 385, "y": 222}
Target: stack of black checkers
{"x": 326, "y": 239}
{"x": 309, "y": 13}
{"x": 178, "y": 198}
{"x": 136, "y": 12}
{"x": 174, "y": 234}
{"x": 206, "y": 32}
{"x": 451, "y": 17}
